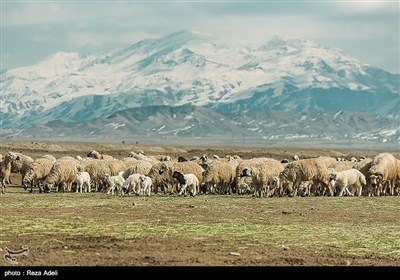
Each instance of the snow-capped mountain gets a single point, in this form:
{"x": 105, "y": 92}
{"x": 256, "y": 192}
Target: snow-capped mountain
{"x": 187, "y": 67}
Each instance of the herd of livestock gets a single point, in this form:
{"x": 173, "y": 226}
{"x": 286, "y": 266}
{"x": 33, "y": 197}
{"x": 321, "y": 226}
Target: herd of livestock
{"x": 141, "y": 174}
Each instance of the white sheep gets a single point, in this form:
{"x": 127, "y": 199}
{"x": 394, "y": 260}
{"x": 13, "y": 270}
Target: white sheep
{"x": 132, "y": 183}
{"x": 145, "y": 185}
{"x": 82, "y": 181}
{"x": 114, "y": 182}
{"x": 186, "y": 181}
{"x": 342, "y": 180}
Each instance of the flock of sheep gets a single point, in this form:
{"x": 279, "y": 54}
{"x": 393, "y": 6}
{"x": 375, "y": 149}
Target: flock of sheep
{"x": 263, "y": 177}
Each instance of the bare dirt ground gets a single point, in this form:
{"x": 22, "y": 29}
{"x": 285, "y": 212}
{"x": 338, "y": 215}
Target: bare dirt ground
{"x": 68, "y": 229}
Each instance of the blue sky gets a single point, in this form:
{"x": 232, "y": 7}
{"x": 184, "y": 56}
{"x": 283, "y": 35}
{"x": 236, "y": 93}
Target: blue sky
{"x": 33, "y": 30}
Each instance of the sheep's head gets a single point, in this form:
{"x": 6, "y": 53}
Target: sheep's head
{"x": 26, "y": 182}
{"x": 177, "y": 174}
{"x": 273, "y": 183}
{"x": 376, "y": 179}
{"x": 204, "y": 157}
{"x": 245, "y": 172}
{"x": 12, "y": 156}
{"x": 285, "y": 160}
{"x": 332, "y": 179}
{"x": 162, "y": 169}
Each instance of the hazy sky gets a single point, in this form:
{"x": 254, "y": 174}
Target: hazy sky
{"x": 33, "y": 30}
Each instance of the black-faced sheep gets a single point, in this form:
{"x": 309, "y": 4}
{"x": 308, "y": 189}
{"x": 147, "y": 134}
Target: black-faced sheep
{"x": 186, "y": 181}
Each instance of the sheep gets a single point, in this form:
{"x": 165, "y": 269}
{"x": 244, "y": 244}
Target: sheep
{"x": 342, "y": 180}
{"x": 82, "y": 181}
{"x": 363, "y": 166}
{"x": 186, "y": 181}
{"x": 37, "y": 172}
{"x": 5, "y": 169}
{"x": 145, "y": 185}
{"x": 341, "y": 165}
{"x": 19, "y": 164}
{"x": 160, "y": 158}
{"x": 241, "y": 165}
{"x": 97, "y": 155}
{"x": 263, "y": 174}
{"x": 384, "y": 170}
{"x": 306, "y": 170}
{"x": 219, "y": 175}
{"x": 140, "y": 166}
{"x": 63, "y": 173}
{"x": 132, "y": 183}
{"x": 295, "y": 157}
{"x": 140, "y": 156}
{"x": 183, "y": 167}
{"x": 163, "y": 180}
{"x": 114, "y": 182}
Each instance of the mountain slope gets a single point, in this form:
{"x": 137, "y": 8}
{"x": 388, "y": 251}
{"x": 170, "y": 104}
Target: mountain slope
{"x": 194, "y": 123}
{"x": 186, "y": 67}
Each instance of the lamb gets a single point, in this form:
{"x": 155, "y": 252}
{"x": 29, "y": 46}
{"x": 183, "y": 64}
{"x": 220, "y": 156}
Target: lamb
{"x": 342, "y": 180}
{"x": 114, "y": 182}
{"x": 145, "y": 185}
{"x": 306, "y": 170}
{"x": 37, "y": 172}
{"x": 263, "y": 175}
{"x": 186, "y": 181}
{"x": 132, "y": 183}
{"x": 63, "y": 173}
{"x": 82, "y": 181}
{"x": 384, "y": 170}
{"x": 183, "y": 167}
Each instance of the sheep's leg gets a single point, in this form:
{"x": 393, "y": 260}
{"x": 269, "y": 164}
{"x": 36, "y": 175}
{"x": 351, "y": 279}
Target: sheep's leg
{"x": 183, "y": 188}
{"x": 348, "y": 191}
